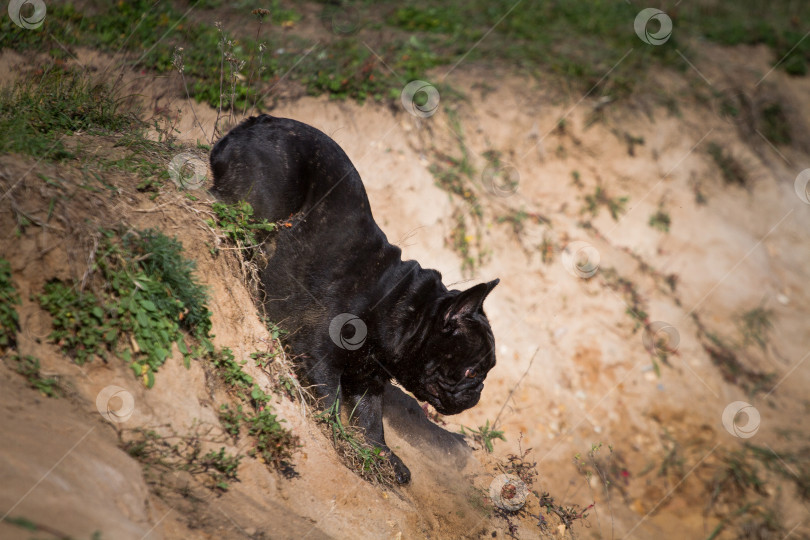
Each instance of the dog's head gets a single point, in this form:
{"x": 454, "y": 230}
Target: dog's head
{"x": 457, "y": 352}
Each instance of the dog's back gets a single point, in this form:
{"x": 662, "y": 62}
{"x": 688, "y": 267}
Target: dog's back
{"x": 282, "y": 167}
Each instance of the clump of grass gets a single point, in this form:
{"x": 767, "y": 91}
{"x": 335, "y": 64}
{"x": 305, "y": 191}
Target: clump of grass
{"x": 39, "y": 110}
{"x": 755, "y": 326}
{"x": 360, "y": 456}
{"x": 9, "y": 319}
{"x": 145, "y": 289}
{"x": 485, "y": 435}
{"x": 731, "y": 169}
{"x": 547, "y": 249}
{"x": 28, "y": 367}
{"x": 636, "y": 306}
{"x": 775, "y": 126}
{"x": 452, "y": 175}
{"x": 462, "y": 242}
{"x": 732, "y": 369}
{"x": 615, "y": 205}
{"x": 660, "y": 220}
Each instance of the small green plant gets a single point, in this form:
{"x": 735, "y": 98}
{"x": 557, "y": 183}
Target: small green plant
{"x": 145, "y": 289}
{"x": 274, "y": 444}
{"x": 239, "y": 225}
{"x": 263, "y": 359}
{"x": 231, "y": 419}
{"x": 756, "y": 325}
{"x": 28, "y": 367}
{"x": 733, "y": 172}
{"x": 547, "y": 249}
{"x": 365, "y": 459}
{"x": 230, "y": 370}
{"x": 485, "y": 435}
{"x": 775, "y": 126}
{"x": 660, "y": 220}
{"x": 635, "y": 306}
{"x": 221, "y": 467}
{"x": 732, "y": 369}
{"x": 9, "y": 320}
{"x": 600, "y": 198}
{"x": 466, "y": 245}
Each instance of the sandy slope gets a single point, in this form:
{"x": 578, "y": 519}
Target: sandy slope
{"x": 591, "y": 379}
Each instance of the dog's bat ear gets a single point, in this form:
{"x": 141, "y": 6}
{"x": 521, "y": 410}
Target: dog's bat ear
{"x": 469, "y": 301}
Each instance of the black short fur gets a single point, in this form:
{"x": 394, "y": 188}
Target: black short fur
{"x": 335, "y": 260}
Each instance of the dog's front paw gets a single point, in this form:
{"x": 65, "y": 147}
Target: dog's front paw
{"x": 401, "y": 471}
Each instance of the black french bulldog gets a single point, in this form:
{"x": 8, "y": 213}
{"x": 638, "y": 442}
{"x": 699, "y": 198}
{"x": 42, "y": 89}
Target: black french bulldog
{"x": 357, "y": 313}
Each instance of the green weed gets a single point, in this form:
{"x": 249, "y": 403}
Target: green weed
{"x": 756, "y": 325}
{"x": 731, "y": 169}
{"x": 231, "y": 419}
{"x": 484, "y": 435}
{"x": 274, "y": 444}
{"x": 660, "y": 220}
{"x": 230, "y": 370}
{"x": 635, "y": 304}
{"x": 221, "y": 467}
{"x": 38, "y": 111}
{"x": 239, "y": 225}
{"x": 145, "y": 289}
{"x": 28, "y": 367}
{"x": 775, "y": 126}
{"x": 600, "y": 198}
{"x": 9, "y": 320}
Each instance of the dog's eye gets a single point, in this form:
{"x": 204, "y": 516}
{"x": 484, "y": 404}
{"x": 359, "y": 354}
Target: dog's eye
{"x": 470, "y": 373}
